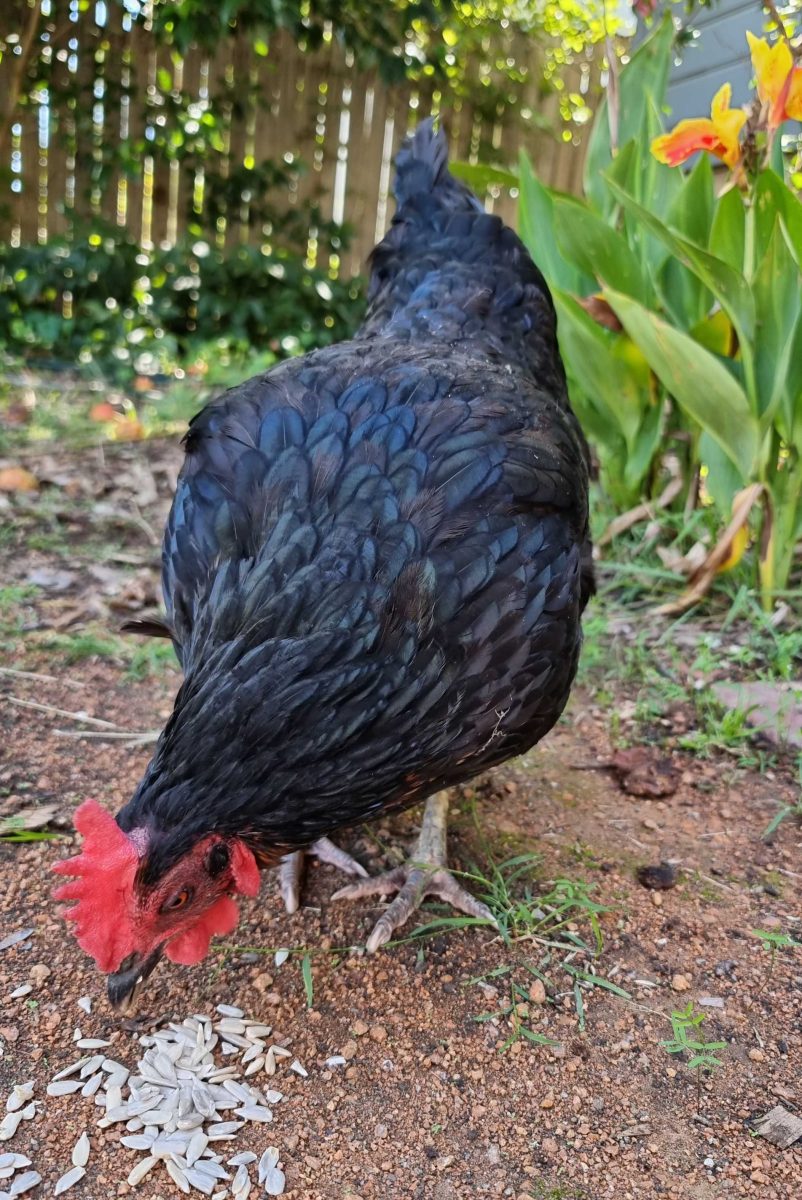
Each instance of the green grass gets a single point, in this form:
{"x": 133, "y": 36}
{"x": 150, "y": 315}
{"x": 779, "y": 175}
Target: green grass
{"x": 15, "y": 611}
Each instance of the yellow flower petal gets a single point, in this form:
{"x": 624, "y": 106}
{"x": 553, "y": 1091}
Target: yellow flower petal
{"x": 793, "y": 103}
{"x": 717, "y": 134}
{"x": 774, "y": 73}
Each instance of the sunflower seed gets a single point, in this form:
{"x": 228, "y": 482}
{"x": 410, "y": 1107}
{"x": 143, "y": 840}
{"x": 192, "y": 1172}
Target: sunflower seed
{"x": 273, "y": 1097}
{"x": 91, "y": 1065}
{"x": 298, "y": 1069}
{"x": 29, "y": 1113}
{"x": 203, "y": 1183}
{"x": 269, "y": 1159}
{"x": 6, "y": 1173}
{"x": 15, "y": 1161}
{"x": 20, "y": 1094}
{"x": 228, "y": 1010}
{"x": 336, "y": 1060}
{"x": 92, "y": 1043}
{"x": 241, "y": 1181}
{"x": 281, "y": 957}
{"x": 13, "y": 939}
{"x": 80, "y": 1151}
{"x": 64, "y": 1087}
{"x": 68, "y": 1179}
{"x": 242, "y": 1159}
{"x": 92, "y": 1084}
{"x": 275, "y": 1182}
{"x": 71, "y": 1069}
{"x": 281, "y": 1051}
{"x": 24, "y": 1183}
{"x": 197, "y": 1144}
{"x": 223, "y": 1129}
{"x": 85, "y": 1003}
{"x": 255, "y": 1112}
{"x": 194, "y": 1121}
{"x": 141, "y": 1169}
{"x": 137, "y": 1141}
{"x": 230, "y": 1025}
{"x": 255, "y": 1030}
{"x": 212, "y": 1169}
{"x": 24, "y": 989}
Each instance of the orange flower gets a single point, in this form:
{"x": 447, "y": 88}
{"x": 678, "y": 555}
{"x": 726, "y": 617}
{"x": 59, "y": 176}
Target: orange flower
{"x": 718, "y": 134}
{"x": 779, "y": 82}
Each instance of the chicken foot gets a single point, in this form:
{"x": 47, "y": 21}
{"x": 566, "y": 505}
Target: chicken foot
{"x": 424, "y": 874}
{"x": 291, "y": 869}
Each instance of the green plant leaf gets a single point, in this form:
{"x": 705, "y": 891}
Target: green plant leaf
{"x": 772, "y": 196}
{"x": 306, "y": 973}
{"x": 725, "y": 282}
{"x": 536, "y": 225}
{"x": 728, "y": 231}
{"x": 481, "y": 177}
{"x": 777, "y": 291}
{"x": 722, "y": 478}
{"x": 646, "y": 74}
{"x": 699, "y": 382}
{"x": 691, "y": 212}
{"x": 598, "y": 249}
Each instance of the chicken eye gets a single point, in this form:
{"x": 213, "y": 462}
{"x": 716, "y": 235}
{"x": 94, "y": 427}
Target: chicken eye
{"x": 178, "y": 900}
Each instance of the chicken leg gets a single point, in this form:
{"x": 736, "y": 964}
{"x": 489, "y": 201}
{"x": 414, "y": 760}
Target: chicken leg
{"x": 291, "y": 869}
{"x": 424, "y": 874}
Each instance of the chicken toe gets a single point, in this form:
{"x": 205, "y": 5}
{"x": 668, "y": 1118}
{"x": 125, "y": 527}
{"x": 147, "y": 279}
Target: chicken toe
{"x": 425, "y": 874}
{"x": 291, "y": 869}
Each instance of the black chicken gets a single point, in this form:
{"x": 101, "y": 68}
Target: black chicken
{"x": 374, "y": 570}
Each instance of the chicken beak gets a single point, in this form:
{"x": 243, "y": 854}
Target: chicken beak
{"x": 125, "y": 985}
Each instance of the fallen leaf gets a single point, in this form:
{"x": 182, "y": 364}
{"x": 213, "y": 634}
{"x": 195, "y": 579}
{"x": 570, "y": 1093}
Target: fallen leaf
{"x": 34, "y": 818}
{"x": 17, "y": 479}
{"x": 645, "y": 511}
{"x": 726, "y": 550}
{"x": 779, "y": 1126}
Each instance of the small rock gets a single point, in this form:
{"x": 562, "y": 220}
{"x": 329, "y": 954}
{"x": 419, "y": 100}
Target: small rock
{"x": 680, "y": 984}
{"x": 547, "y": 1101}
{"x": 537, "y": 992}
{"x": 659, "y": 877}
{"x": 349, "y": 1051}
{"x": 360, "y": 1028}
{"x": 757, "y": 1055}
{"x": 378, "y": 1033}
{"x": 39, "y": 972}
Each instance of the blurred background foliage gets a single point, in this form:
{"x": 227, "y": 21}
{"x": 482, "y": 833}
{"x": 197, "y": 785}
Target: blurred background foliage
{"x": 250, "y": 267}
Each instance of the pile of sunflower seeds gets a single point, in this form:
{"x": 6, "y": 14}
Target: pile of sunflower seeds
{"x": 180, "y": 1108}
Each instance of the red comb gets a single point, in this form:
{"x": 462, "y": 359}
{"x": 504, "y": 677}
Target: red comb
{"x": 104, "y": 872}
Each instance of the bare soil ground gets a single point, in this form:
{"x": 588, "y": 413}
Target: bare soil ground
{"x": 427, "y": 1105}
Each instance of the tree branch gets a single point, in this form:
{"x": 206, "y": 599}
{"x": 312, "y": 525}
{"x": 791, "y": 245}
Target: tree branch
{"x": 19, "y": 65}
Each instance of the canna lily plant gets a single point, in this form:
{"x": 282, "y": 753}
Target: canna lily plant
{"x": 679, "y": 298}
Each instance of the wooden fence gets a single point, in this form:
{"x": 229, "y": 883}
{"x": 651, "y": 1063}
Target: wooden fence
{"x": 344, "y": 123}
